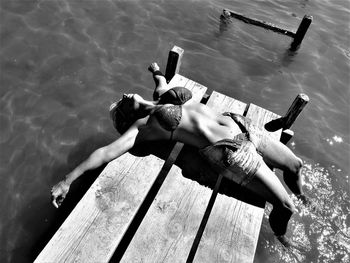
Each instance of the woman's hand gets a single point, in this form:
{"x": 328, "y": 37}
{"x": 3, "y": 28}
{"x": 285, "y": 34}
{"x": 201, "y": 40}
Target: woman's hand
{"x": 59, "y": 192}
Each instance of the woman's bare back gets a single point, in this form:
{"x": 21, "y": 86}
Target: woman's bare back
{"x": 200, "y": 126}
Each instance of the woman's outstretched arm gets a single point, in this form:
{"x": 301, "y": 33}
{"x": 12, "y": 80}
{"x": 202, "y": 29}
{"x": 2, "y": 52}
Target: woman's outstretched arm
{"x": 105, "y": 154}
{"x": 99, "y": 157}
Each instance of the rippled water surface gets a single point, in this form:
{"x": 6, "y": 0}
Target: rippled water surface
{"x": 63, "y": 62}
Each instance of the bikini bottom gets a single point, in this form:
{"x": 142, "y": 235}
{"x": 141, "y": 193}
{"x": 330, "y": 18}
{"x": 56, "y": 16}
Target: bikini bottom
{"x": 237, "y": 158}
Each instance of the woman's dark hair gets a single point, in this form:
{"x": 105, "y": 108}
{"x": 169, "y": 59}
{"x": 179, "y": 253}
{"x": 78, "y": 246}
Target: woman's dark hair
{"x": 120, "y": 121}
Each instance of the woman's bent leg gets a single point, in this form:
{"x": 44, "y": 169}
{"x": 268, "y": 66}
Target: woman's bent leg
{"x": 277, "y": 155}
{"x": 159, "y": 80}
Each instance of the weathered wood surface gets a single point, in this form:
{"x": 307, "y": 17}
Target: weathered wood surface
{"x": 261, "y": 116}
{"x": 95, "y": 227}
{"x": 167, "y": 232}
{"x": 233, "y": 228}
{"x": 170, "y": 226}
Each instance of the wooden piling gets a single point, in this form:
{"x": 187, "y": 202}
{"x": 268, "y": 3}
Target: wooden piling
{"x": 300, "y": 34}
{"x": 174, "y": 62}
{"x": 294, "y": 110}
{"x": 286, "y": 136}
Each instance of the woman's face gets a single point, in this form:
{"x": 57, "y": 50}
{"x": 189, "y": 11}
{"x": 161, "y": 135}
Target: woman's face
{"x": 130, "y": 103}
{"x": 125, "y": 111}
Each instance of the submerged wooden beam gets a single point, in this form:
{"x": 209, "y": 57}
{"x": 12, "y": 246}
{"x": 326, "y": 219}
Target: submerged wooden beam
{"x": 260, "y": 23}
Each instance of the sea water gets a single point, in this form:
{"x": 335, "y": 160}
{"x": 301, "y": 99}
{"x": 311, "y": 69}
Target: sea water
{"x": 63, "y": 63}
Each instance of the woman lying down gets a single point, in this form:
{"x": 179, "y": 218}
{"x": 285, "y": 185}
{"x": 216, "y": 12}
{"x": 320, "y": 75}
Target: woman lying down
{"x": 228, "y": 142}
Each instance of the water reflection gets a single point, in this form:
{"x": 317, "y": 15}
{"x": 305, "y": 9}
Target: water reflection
{"x": 288, "y": 57}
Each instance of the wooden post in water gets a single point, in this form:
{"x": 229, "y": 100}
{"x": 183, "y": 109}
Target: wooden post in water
{"x": 174, "y": 62}
{"x": 294, "y": 110}
{"x": 286, "y": 135}
{"x": 300, "y": 34}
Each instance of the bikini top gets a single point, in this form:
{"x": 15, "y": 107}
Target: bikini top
{"x": 169, "y": 117}
{"x": 176, "y": 96}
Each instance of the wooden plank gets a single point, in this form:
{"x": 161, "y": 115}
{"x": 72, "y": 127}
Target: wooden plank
{"x": 97, "y": 224}
{"x": 167, "y": 231}
{"x": 221, "y": 103}
{"x": 260, "y": 117}
{"x": 231, "y": 233}
{"x": 233, "y": 228}
{"x": 170, "y": 226}
{"x": 179, "y": 80}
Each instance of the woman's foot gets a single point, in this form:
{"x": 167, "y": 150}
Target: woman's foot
{"x": 307, "y": 202}
{"x": 159, "y": 80}
{"x": 291, "y": 245}
{"x": 153, "y": 67}
{"x": 284, "y": 241}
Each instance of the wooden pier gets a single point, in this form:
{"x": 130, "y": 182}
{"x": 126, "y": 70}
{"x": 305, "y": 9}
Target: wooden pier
{"x": 151, "y": 208}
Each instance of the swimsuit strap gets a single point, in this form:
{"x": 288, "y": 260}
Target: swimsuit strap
{"x": 242, "y": 122}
